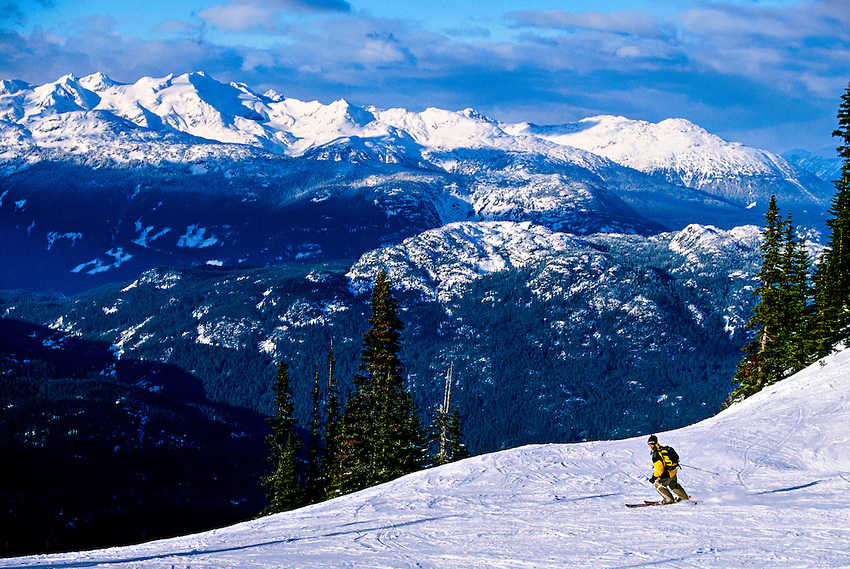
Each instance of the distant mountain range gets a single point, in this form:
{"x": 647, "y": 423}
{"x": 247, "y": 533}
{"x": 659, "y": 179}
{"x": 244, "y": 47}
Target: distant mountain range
{"x": 604, "y": 239}
{"x": 825, "y": 163}
{"x": 101, "y": 181}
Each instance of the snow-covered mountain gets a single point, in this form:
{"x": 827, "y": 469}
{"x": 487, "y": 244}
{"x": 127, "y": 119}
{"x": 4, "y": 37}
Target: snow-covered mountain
{"x": 101, "y": 181}
{"x": 685, "y": 154}
{"x": 823, "y": 163}
{"x": 63, "y": 113}
{"x": 91, "y": 113}
{"x": 770, "y": 476}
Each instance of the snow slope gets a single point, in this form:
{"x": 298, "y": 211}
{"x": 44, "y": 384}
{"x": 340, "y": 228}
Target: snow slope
{"x": 650, "y": 147}
{"x": 778, "y": 495}
{"x": 685, "y": 154}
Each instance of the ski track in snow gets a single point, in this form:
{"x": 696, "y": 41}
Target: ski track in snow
{"x": 777, "y": 494}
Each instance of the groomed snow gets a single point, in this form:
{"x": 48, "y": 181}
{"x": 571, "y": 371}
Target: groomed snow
{"x": 778, "y": 495}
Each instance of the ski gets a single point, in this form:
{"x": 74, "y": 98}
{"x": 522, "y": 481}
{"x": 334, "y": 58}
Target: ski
{"x": 647, "y": 503}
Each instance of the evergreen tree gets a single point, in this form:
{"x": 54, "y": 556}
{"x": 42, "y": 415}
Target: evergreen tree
{"x": 798, "y": 333}
{"x": 314, "y": 482}
{"x": 457, "y": 448}
{"x": 283, "y": 484}
{"x": 784, "y": 319}
{"x": 763, "y": 362}
{"x": 330, "y": 460}
{"x": 380, "y": 435}
{"x": 832, "y": 278}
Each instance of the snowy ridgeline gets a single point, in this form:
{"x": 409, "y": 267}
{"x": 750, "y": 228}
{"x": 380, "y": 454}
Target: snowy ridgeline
{"x": 777, "y": 495}
{"x": 95, "y": 112}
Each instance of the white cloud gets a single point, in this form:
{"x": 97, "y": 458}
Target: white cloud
{"x": 239, "y": 17}
{"x": 634, "y": 23}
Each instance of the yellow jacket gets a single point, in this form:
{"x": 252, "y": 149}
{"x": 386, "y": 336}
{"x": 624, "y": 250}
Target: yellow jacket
{"x": 662, "y": 469}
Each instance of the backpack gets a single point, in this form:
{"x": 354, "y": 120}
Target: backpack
{"x": 669, "y": 456}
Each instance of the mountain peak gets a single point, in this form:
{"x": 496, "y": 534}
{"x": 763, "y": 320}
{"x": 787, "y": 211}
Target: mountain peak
{"x": 97, "y": 82}
{"x": 273, "y": 96}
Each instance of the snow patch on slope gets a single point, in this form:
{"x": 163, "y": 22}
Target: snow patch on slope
{"x": 441, "y": 262}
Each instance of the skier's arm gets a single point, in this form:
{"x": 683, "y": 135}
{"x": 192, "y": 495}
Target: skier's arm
{"x": 659, "y": 467}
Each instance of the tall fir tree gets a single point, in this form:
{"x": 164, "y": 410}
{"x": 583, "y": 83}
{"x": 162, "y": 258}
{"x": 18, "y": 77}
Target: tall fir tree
{"x": 763, "y": 361}
{"x": 314, "y": 477}
{"x": 283, "y": 484}
{"x": 330, "y": 461}
{"x": 380, "y": 436}
{"x": 832, "y": 277}
{"x": 798, "y": 334}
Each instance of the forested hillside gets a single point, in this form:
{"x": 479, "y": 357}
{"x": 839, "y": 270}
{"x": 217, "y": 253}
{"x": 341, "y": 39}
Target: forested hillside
{"x": 99, "y": 451}
{"x": 609, "y": 336}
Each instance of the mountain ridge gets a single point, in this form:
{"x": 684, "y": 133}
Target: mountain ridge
{"x": 197, "y": 104}
{"x": 184, "y": 170}
{"x": 575, "y": 297}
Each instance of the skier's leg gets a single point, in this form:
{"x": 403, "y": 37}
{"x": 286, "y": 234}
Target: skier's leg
{"x": 677, "y": 488}
{"x": 662, "y": 489}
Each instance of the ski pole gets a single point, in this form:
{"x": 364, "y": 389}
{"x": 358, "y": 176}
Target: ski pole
{"x": 700, "y": 469}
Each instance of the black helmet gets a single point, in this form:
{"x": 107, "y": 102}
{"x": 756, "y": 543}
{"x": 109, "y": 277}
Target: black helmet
{"x": 652, "y": 440}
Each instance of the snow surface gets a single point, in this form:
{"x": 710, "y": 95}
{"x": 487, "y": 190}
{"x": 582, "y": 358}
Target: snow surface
{"x": 675, "y": 144}
{"x": 777, "y": 495}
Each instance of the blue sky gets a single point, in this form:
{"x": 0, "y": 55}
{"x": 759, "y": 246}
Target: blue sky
{"x": 766, "y": 73}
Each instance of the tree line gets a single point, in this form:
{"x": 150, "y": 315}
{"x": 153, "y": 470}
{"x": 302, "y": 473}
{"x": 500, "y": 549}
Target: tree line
{"x": 802, "y": 313}
{"x": 374, "y": 436}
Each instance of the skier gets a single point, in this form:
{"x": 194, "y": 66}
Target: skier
{"x": 664, "y": 476}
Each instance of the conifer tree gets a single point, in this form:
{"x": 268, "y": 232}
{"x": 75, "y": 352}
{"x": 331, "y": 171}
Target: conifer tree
{"x": 330, "y": 462}
{"x": 832, "y": 277}
{"x": 314, "y": 479}
{"x": 798, "y": 333}
{"x": 283, "y": 484}
{"x": 763, "y": 361}
{"x": 380, "y": 435}
{"x": 457, "y": 448}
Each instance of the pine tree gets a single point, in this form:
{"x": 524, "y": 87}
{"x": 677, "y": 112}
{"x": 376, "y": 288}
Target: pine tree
{"x": 798, "y": 333}
{"x": 314, "y": 478}
{"x": 283, "y": 484}
{"x": 763, "y": 361}
{"x": 380, "y": 435}
{"x": 457, "y": 448}
{"x": 330, "y": 459}
{"x": 832, "y": 277}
